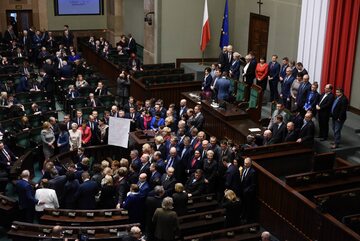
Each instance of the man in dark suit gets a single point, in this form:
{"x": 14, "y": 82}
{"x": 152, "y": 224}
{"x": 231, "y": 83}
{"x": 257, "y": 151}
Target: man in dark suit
{"x": 155, "y": 175}
{"x": 151, "y": 204}
{"x": 65, "y": 71}
{"x": 94, "y": 129}
{"x": 47, "y": 84}
{"x": 223, "y": 59}
{"x": 307, "y": 131}
{"x": 248, "y": 190}
{"x": 183, "y": 108}
{"x": 168, "y": 181}
{"x": 278, "y": 130}
{"x": 286, "y": 87}
{"x": 134, "y": 203}
{"x": 86, "y": 193}
{"x": 338, "y": 113}
{"x": 199, "y": 118}
{"x": 24, "y": 85}
{"x": 7, "y": 158}
{"x": 187, "y": 152}
{"x": 174, "y": 161}
{"x": 291, "y": 133}
{"x": 323, "y": 108}
{"x": 273, "y": 77}
{"x": 195, "y": 185}
{"x": 303, "y": 91}
{"x": 134, "y": 117}
{"x": 100, "y": 89}
{"x": 196, "y": 162}
{"x": 145, "y": 164}
{"x": 232, "y": 177}
{"x": 27, "y": 199}
{"x": 132, "y": 46}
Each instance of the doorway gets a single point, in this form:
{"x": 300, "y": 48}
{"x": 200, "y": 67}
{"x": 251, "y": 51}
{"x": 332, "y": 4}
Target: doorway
{"x": 258, "y": 35}
{"x": 19, "y": 19}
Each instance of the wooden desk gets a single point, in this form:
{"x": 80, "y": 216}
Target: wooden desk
{"x": 232, "y": 123}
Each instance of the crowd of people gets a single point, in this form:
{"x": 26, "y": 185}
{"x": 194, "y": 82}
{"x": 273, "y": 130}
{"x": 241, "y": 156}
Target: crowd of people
{"x": 155, "y": 184}
{"x": 299, "y": 101}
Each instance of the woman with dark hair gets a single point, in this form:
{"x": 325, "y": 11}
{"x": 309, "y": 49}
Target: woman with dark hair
{"x": 261, "y": 73}
{"x": 156, "y": 122}
{"x": 85, "y": 134}
{"x": 144, "y": 120}
{"x": 102, "y": 132}
{"x": 63, "y": 139}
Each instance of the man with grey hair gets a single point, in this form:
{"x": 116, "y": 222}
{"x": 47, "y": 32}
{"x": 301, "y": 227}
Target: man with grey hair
{"x": 265, "y": 236}
{"x": 165, "y": 221}
{"x": 27, "y": 199}
{"x": 151, "y": 204}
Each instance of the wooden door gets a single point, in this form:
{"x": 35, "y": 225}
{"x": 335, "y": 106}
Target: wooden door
{"x": 258, "y": 34}
{"x": 20, "y": 19}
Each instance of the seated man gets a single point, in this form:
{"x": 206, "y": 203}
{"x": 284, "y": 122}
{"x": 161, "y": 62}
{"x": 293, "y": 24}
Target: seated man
{"x": 7, "y": 158}
{"x": 195, "y": 185}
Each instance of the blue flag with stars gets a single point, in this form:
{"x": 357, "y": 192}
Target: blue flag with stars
{"x": 224, "y": 36}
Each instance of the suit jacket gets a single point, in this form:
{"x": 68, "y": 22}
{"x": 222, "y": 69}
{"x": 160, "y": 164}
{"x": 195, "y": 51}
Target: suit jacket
{"x": 223, "y": 88}
{"x": 195, "y": 188}
{"x": 26, "y": 194}
{"x": 248, "y": 182}
{"x": 249, "y": 75}
{"x": 86, "y": 195}
{"x": 144, "y": 189}
{"x": 23, "y": 85}
{"x": 274, "y": 70}
{"x": 224, "y": 61}
{"x": 155, "y": 179}
{"x": 235, "y": 69}
{"x": 168, "y": 184}
{"x": 101, "y": 92}
{"x": 283, "y": 70}
{"x": 166, "y": 224}
{"x": 134, "y": 203}
{"x": 186, "y": 155}
{"x": 339, "y": 112}
{"x": 151, "y": 204}
{"x": 291, "y": 136}
{"x": 48, "y": 84}
{"x": 145, "y": 169}
{"x": 207, "y": 83}
{"x": 4, "y": 161}
{"x": 302, "y": 93}
{"x": 307, "y": 133}
{"x": 66, "y": 72}
{"x": 311, "y": 100}
{"x": 325, "y": 105}
{"x": 179, "y": 168}
{"x": 180, "y": 203}
{"x": 279, "y": 133}
{"x": 232, "y": 178}
{"x": 286, "y": 86}
{"x": 132, "y": 46}
{"x": 69, "y": 199}
{"x": 199, "y": 121}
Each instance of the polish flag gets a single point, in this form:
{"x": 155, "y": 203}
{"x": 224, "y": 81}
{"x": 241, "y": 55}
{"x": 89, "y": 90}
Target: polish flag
{"x": 205, "y": 33}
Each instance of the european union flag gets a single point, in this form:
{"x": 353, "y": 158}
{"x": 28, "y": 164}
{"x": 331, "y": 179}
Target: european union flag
{"x": 224, "y": 36}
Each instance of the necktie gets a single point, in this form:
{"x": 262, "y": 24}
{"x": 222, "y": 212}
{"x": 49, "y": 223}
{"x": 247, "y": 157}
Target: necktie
{"x": 334, "y": 105}
{"x": 93, "y": 103}
{"x": 197, "y": 145}
{"x": 183, "y": 152}
{"x": 244, "y": 174}
{"x": 322, "y": 99}
{"x": 193, "y": 162}
{"x": 6, "y": 154}
{"x": 170, "y": 163}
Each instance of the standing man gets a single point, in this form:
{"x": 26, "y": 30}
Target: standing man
{"x": 286, "y": 84}
{"x": 223, "y": 87}
{"x": 303, "y": 91}
{"x": 274, "y": 71}
{"x": 338, "y": 113}
{"x": 27, "y": 199}
{"x": 165, "y": 221}
{"x": 324, "y": 110}
{"x": 248, "y": 190}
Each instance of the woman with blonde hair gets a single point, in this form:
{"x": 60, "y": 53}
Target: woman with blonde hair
{"x": 107, "y": 195}
{"x": 180, "y": 199}
{"x": 74, "y": 137}
{"x": 48, "y": 139}
{"x": 232, "y": 206}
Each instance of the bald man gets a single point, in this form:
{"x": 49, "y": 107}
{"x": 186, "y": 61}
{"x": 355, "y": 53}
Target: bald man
{"x": 143, "y": 185}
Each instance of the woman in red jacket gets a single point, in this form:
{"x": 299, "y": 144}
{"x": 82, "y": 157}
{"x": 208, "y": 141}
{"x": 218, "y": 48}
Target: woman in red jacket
{"x": 85, "y": 134}
{"x": 261, "y": 74}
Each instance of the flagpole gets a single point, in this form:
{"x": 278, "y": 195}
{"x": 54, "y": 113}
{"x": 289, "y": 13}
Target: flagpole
{"x": 202, "y": 57}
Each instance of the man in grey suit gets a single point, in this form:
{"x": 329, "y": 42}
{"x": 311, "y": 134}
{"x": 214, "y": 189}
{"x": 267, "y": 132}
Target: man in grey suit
{"x": 165, "y": 221}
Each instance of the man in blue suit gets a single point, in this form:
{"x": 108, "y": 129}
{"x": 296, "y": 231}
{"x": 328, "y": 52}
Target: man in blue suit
{"x": 283, "y": 69}
{"x": 286, "y": 87}
{"x": 223, "y": 87}
{"x": 144, "y": 187}
{"x": 274, "y": 71}
{"x": 27, "y": 199}
{"x": 232, "y": 177}
{"x": 86, "y": 193}
{"x": 302, "y": 94}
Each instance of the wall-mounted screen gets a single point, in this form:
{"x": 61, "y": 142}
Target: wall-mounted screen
{"x": 78, "y": 7}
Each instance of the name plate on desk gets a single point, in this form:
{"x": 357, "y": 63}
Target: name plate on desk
{"x": 69, "y": 231}
{"x": 90, "y": 215}
{"x": 72, "y": 214}
{"x": 113, "y": 230}
{"x": 90, "y": 231}
{"x": 55, "y": 213}
{"x": 46, "y": 230}
{"x": 190, "y": 201}
{"x": 107, "y": 214}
